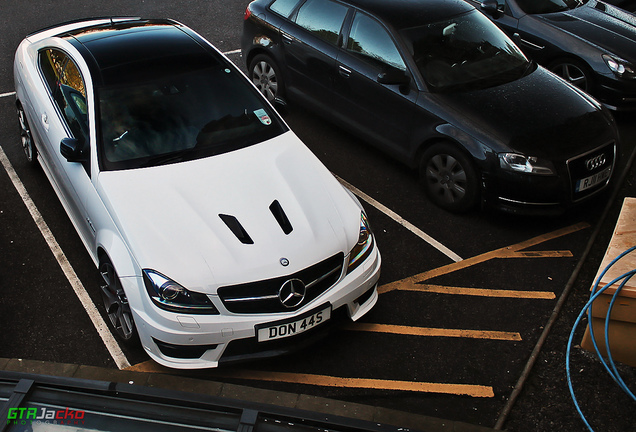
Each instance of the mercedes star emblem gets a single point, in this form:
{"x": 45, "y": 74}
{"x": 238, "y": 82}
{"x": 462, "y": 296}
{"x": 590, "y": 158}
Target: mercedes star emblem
{"x": 292, "y": 293}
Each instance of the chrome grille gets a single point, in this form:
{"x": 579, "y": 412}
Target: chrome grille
{"x": 262, "y": 296}
{"x": 591, "y": 171}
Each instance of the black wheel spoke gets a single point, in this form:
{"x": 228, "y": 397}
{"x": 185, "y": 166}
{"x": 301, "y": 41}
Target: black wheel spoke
{"x": 116, "y": 303}
{"x": 572, "y": 73}
{"x": 449, "y": 178}
{"x": 26, "y": 137}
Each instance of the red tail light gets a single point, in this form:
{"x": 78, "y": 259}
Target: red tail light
{"x": 248, "y": 13}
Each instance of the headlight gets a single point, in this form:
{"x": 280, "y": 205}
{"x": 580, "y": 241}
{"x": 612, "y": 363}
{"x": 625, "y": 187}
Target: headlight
{"x": 169, "y": 295}
{"x": 363, "y": 247}
{"x": 621, "y": 68}
{"x": 525, "y": 164}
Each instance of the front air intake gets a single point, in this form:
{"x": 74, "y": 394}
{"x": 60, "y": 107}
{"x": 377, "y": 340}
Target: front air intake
{"x": 281, "y": 217}
{"x": 235, "y": 226}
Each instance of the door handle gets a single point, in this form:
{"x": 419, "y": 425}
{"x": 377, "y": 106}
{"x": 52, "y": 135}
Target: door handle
{"x": 287, "y": 38}
{"x": 45, "y": 121}
{"x": 344, "y": 71}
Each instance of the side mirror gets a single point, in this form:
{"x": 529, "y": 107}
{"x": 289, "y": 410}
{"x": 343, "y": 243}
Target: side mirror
{"x": 394, "y": 76}
{"x": 71, "y": 149}
{"x": 490, "y": 7}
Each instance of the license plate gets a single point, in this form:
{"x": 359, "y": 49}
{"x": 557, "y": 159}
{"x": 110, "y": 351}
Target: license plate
{"x": 288, "y": 328}
{"x": 593, "y": 180}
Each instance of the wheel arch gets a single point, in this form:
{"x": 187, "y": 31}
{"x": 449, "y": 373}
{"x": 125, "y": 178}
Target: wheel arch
{"x": 259, "y": 49}
{"x": 111, "y": 247}
{"x": 449, "y": 134}
{"x": 578, "y": 61}
{"x": 270, "y": 49}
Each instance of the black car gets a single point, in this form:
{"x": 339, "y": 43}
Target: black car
{"x": 590, "y": 43}
{"x": 438, "y": 86}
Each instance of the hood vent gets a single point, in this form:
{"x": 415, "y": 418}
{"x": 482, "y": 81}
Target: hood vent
{"x": 281, "y": 217}
{"x": 235, "y": 226}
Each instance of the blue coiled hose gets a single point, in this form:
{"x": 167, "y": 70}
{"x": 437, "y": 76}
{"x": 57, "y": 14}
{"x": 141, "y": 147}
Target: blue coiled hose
{"x": 611, "y": 369}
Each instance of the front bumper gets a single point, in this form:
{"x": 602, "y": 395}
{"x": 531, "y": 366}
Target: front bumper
{"x": 574, "y": 183}
{"x": 619, "y": 95}
{"x": 204, "y": 341}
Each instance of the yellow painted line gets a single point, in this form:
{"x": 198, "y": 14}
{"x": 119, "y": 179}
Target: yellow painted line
{"x": 364, "y": 383}
{"x": 329, "y": 381}
{"x": 149, "y": 366}
{"x": 479, "y": 292}
{"x": 540, "y": 254}
{"x": 434, "y": 332}
{"x": 505, "y": 252}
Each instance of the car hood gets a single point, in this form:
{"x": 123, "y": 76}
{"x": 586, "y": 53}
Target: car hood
{"x": 169, "y": 215}
{"x": 602, "y": 24}
{"x": 538, "y": 115}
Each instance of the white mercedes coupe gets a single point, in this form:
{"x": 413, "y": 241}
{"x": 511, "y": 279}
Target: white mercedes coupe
{"x": 219, "y": 236}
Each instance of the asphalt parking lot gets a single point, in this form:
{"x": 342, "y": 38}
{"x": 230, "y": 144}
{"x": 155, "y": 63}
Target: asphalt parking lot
{"x": 464, "y": 299}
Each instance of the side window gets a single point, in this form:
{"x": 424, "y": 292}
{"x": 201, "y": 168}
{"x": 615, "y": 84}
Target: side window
{"x": 284, "y": 7}
{"x": 323, "y": 18}
{"x": 371, "y": 41}
{"x": 67, "y": 88}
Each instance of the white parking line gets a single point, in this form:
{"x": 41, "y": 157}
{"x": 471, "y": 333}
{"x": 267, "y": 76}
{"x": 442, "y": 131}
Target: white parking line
{"x": 399, "y": 219}
{"x": 100, "y": 325}
{"x": 7, "y": 94}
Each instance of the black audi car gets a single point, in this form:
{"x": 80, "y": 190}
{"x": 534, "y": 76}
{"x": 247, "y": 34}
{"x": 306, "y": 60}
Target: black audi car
{"x": 590, "y": 43}
{"x": 435, "y": 84}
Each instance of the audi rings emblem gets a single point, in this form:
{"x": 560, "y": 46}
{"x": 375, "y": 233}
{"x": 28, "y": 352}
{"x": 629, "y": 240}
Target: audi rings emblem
{"x": 292, "y": 293}
{"x": 595, "y": 162}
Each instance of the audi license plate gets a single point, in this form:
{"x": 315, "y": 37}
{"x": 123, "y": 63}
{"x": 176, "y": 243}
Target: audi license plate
{"x": 593, "y": 180}
{"x": 287, "y": 328}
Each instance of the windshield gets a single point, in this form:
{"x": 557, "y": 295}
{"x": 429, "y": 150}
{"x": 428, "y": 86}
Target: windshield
{"x": 548, "y": 6}
{"x": 467, "y": 52}
{"x": 182, "y": 117}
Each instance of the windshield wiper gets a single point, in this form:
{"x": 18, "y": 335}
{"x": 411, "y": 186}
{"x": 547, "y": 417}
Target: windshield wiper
{"x": 530, "y": 67}
{"x": 165, "y": 159}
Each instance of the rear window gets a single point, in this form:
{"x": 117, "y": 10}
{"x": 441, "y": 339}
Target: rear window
{"x": 284, "y": 7}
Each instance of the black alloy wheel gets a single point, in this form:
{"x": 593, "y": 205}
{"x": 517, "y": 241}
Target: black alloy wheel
{"x": 266, "y": 76}
{"x": 449, "y": 178}
{"x": 116, "y": 303}
{"x": 574, "y": 72}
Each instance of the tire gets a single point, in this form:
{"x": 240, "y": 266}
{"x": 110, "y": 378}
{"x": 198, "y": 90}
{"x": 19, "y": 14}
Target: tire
{"x": 266, "y": 76}
{"x": 26, "y": 137}
{"x": 116, "y": 304}
{"x": 449, "y": 178}
{"x": 573, "y": 71}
